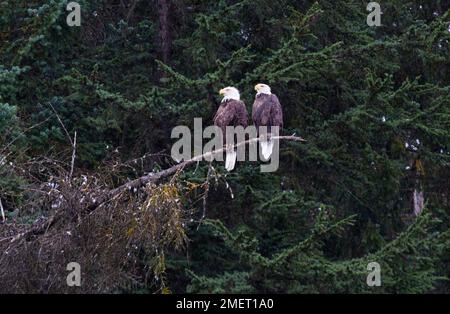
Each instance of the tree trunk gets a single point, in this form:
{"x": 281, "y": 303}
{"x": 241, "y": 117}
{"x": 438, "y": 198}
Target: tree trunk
{"x": 164, "y": 38}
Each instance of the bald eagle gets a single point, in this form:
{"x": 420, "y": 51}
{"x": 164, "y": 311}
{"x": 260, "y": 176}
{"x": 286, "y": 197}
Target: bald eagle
{"x": 266, "y": 112}
{"x": 231, "y": 112}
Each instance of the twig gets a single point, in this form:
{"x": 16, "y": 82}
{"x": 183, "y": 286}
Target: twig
{"x": 205, "y": 195}
{"x": 62, "y": 124}
{"x": 196, "y": 167}
{"x": 145, "y": 156}
{"x": 131, "y": 10}
{"x": 74, "y": 151}
{"x": 25, "y": 131}
{"x": 218, "y": 175}
{"x": 3, "y": 212}
{"x": 73, "y": 142}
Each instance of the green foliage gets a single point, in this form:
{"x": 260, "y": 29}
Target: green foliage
{"x": 11, "y": 137}
{"x": 372, "y": 102}
{"x": 408, "y": 263}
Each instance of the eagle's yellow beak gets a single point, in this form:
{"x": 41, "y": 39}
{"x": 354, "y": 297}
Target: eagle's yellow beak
{"x": 222, "y": 91}
{"x": 257, "y": 86}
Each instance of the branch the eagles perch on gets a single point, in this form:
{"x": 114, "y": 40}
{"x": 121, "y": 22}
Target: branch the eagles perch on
{"x": 153, "y": 177}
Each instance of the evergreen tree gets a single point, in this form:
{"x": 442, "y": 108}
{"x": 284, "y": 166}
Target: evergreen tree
{"x": 373, "y": 104}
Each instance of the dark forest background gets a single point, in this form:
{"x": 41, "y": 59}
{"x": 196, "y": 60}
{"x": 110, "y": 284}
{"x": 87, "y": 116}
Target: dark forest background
{"x": 373, "y": 104}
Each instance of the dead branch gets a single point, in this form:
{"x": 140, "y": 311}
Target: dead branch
{"x": 152, "y": 177}
{"x": 2, "y": 211}
{"x": 131, "y": 10}
{"x": 62, "y": 124}
{"x": 74, "y": 151}
{"x": 73, "y": 142}
{"x": 23, "y": 132}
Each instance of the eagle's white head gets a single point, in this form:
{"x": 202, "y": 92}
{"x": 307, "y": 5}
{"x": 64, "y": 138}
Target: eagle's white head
{"x": 262, "y": 89}
{"x": 230, "y": 93}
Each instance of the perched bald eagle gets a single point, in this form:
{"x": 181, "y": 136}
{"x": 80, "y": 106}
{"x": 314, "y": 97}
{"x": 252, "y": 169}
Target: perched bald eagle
{"x": 231, "y": 112}
{"x": 266, "y": 112}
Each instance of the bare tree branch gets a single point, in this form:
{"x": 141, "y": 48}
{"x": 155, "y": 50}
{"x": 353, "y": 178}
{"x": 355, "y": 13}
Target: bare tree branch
{"x": 62, "y": 124}
{"x": 74, "y": 151}
{"x": 153, "y": 177}
{"x": 131, "y": 10}
{"x": 73, "y": 142}
{"x": 157, "y": 176}
{"x": 22, "y": 133}
{"x": 2, "y": 211}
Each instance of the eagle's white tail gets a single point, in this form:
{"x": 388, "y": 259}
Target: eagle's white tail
{"x": 230, "y": 159}
{"x": 266, "y": 148}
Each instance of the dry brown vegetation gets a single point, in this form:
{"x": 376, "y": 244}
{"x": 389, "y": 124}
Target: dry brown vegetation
{"x": 108, "y": 241}
{"x": 119, "y": 236}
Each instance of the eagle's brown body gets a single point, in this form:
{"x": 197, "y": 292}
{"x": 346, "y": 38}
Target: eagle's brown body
{"x": 267, "y": 111}
{"x": 231, "y": 113}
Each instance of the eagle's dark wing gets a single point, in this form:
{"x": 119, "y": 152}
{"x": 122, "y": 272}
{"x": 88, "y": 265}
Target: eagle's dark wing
{"x": 267, "y": 111}
{"x": 256, "y": 110}
{"x": 223, "y": 116}
{"x": 241, "y": 117}
{"x": 231, "y": 113}
{"x": 276, "y": 112}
